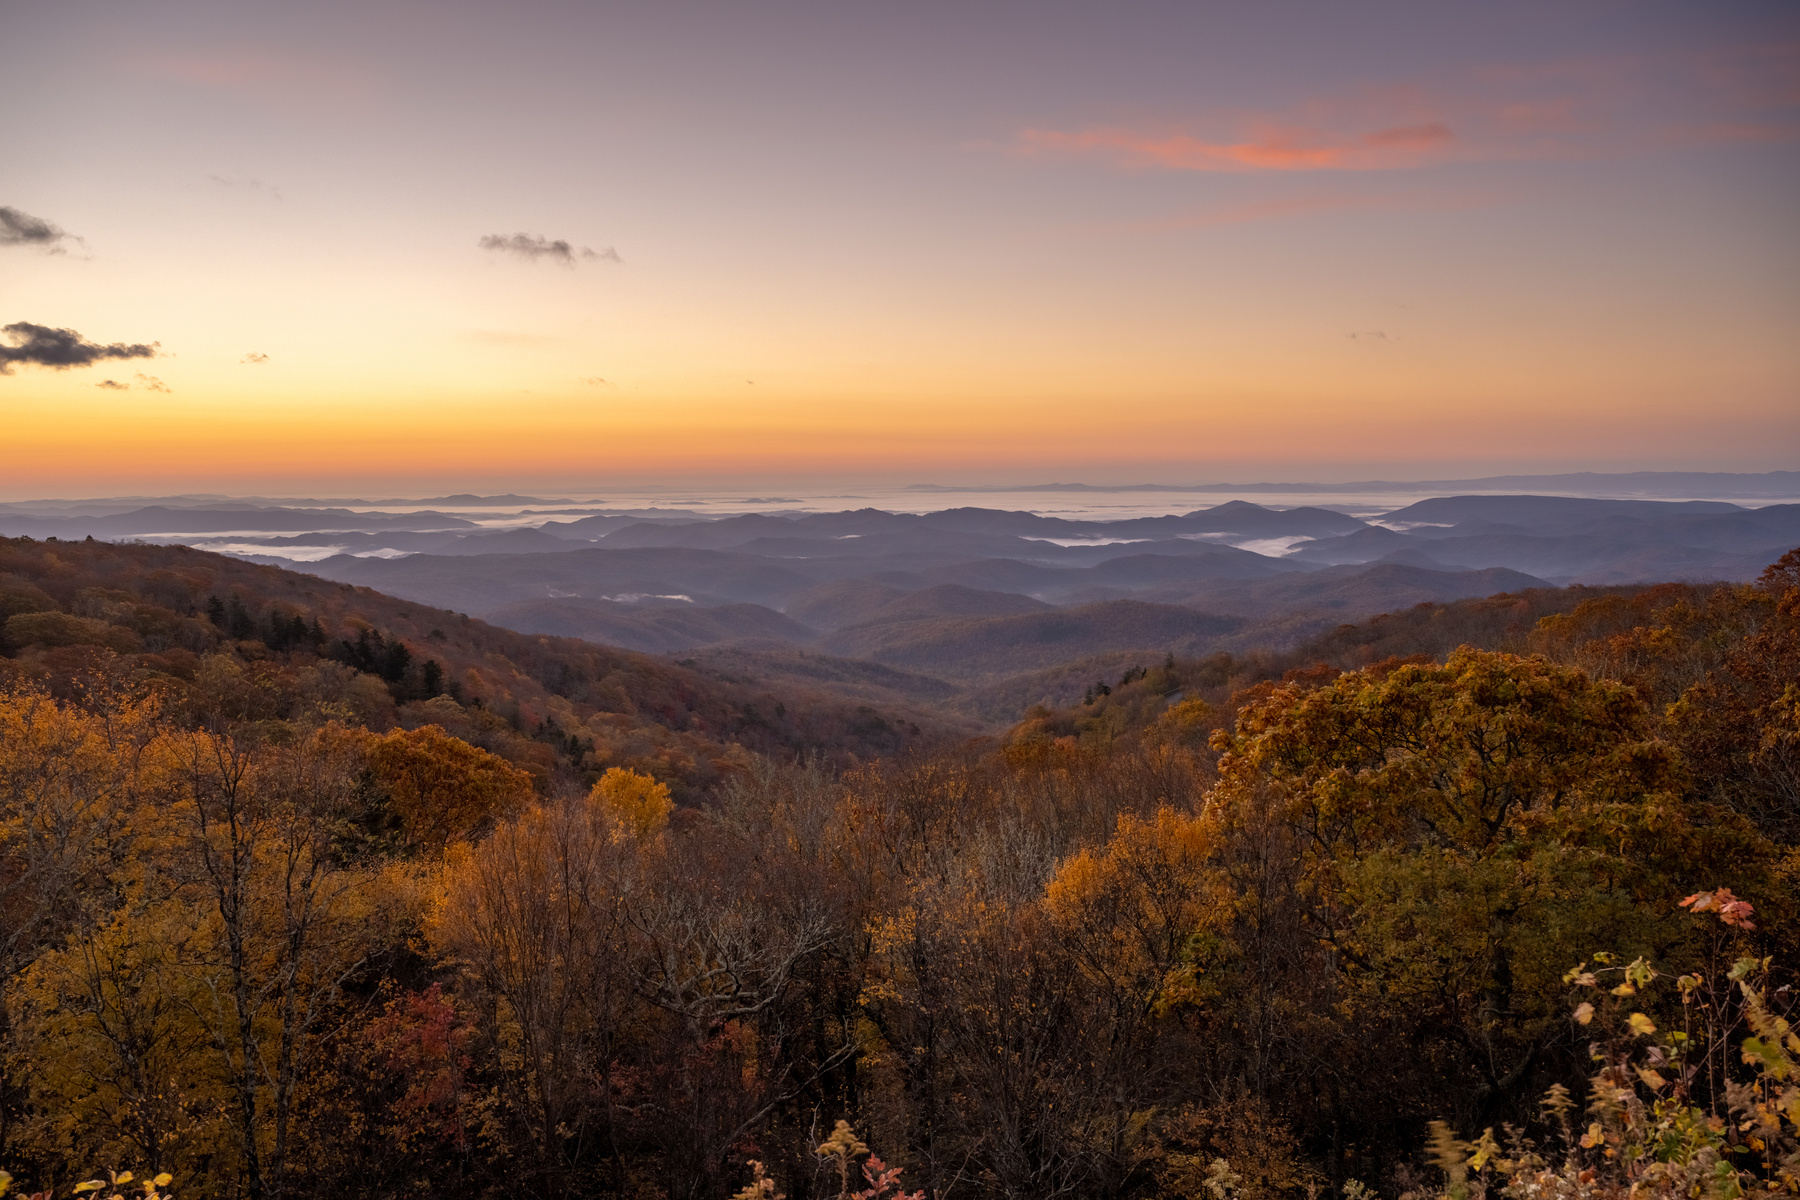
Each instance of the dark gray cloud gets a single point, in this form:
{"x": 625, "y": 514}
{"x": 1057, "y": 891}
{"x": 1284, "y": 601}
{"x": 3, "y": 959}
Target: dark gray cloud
{"x": 528, "y": 247}
{"x": 22, "y": 229}
{"x": 113, "y": 385}
{"x": 59, "y": 349}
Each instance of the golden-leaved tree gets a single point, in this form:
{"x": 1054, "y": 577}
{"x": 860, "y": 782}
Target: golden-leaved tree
{"x": 533, "y": 913}
{"x": 182, "y": 1027}
{"x": 439, "y": 787}
{"x": 71, "y": 796}
{"x": 1458, "y": 833}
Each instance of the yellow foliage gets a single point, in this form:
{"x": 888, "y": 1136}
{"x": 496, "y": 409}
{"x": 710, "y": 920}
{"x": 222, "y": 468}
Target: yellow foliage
{"x": 639, "y": 804}
{"x": 442, "y": 787}
{"x": 1458, "y": 829}
{"x": 1187, "y": 722}
{"x": 1131, "y": 911}
{"x": 202, "y": 918}
{"x": 71, "y": 788}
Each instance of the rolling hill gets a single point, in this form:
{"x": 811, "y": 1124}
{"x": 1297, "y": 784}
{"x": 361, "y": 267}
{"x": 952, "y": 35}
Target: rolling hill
{"x": 226, "y": 639}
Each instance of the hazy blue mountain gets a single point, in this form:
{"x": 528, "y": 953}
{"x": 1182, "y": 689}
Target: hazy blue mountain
{"x": 158, "y": 518}
{"x": 1347, "y": 592}
{"x": 974, "y": 648}
{"x": 1544, "y": 513}
{"x": 842, "y": 602}
{"x": 481, "y": 583}
{"x": 655, "y": 628}
{"x": 967, "y": 594}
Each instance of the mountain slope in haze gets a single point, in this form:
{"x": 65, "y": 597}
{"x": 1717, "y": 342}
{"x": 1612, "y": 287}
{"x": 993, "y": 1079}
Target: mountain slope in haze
{"x": 1544, "y": 513}
{"x": 1555, "y": 537}
{"x": 978, "y": 648}
{"x": 481, "y": 583}
{"x": 898, "y": 618}
{"x": 1599, "y": 558}
{"x": 1124, "y": 565}
{"x": 1350, "y": 592}
{"x": 653, "y": 628}
{"x": 974, "y": 597}
{"x": 1259, "y": 652}
{"x": 854, "y": 679}
{"x": 977, "y": 526}
{"x": 1365, "y": 545}
{"x": 220, "y": 636}
{"x": 161, "y": 519}
{"x": 664, "y": 626}
{"x": 954, "y": 600}
{"x": 842, "y": 602}
{"x": 1585, "y": 541}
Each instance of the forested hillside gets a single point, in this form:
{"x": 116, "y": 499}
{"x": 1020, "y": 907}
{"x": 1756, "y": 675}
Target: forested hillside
{"x": 1228, "y": 927}
{"x": 1503, "y": 621}
{"x": 224, "y": 641}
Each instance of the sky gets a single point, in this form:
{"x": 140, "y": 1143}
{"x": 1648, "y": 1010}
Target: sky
{"x": 268, "y": 248}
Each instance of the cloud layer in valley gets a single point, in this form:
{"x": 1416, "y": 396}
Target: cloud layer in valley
{"x": 532, "y": 248}
{"x": 59, "y": 349}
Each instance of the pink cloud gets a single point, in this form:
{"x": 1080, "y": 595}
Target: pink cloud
{"x": 1565, "y": 110}
{"x": 265, "y": 76}
{"x": 1268, "y": 147}
{"x": 1753, "y": 78}
{"x": 1715, "y": 132}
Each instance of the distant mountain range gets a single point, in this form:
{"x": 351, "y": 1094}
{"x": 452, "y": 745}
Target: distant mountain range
{"x": 965, "y": 597}
{"x": 1721, "y": 484}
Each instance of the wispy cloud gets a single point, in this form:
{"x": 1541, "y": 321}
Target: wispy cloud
{"x": 279, "y": 79}
{"x": 1562, "y": 110}
{"x": 254, "y": 357}
{"x": 145, "y": 383}
{"x": 246, "y": 183}
{"x": 1752, "y": 78}
{"x": 22, "y": 229}
{"x": 1265, "y": 146}
{"x": 532, "y": 248}
{"x": 59, "y": 349}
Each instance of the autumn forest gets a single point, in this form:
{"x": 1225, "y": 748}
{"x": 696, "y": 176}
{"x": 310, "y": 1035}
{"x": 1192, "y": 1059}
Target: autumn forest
{"x": 310, "y": 891}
